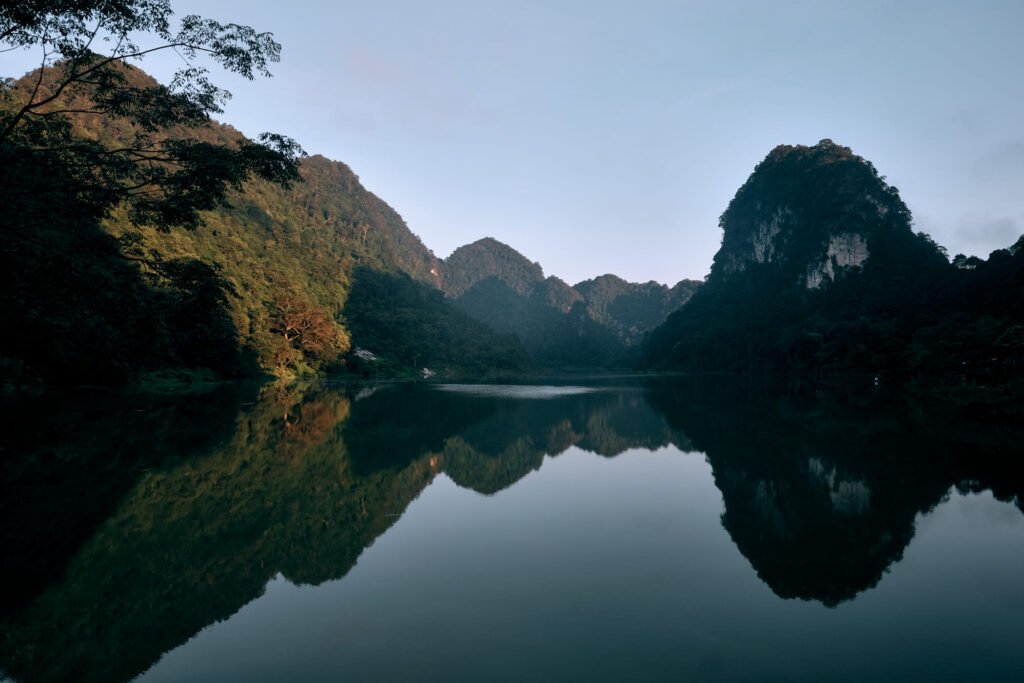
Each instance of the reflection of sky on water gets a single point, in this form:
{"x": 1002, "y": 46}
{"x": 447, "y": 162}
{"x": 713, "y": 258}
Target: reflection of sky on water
{"x": 327, "y": 537}
{"x": 516, "y": 390}
{"x": 570, "y": 575}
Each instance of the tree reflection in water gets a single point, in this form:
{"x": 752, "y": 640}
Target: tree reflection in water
{"x": 133, "y": 523}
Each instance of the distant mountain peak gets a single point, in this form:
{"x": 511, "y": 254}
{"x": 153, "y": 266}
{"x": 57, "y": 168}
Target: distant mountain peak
{"x": 609, "y": 278}
{"x": 487, "y": 258}
{"x": 594, "y": 323}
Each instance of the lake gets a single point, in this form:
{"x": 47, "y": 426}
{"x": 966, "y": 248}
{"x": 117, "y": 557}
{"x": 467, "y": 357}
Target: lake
{"x": 627, "y": 530}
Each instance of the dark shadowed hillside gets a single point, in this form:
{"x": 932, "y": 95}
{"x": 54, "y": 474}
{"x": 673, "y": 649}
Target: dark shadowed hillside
{"x": 594, "y": 324}
{"x": 259, "y": 286}
{"x": 820, "y": 271}
{"x": 487, "y": 257}
{"x": 405, "y": 325}
{"x": 631, "y": 309}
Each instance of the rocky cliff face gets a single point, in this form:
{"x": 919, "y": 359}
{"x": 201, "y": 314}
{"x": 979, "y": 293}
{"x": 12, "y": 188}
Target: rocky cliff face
{"x": 810, "y": 214}
{"x": 819, "y": 268}
{"x": 846, "y": 250}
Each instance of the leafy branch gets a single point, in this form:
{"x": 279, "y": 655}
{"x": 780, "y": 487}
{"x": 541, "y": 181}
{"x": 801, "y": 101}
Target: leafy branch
{"x": 169, "y": 169}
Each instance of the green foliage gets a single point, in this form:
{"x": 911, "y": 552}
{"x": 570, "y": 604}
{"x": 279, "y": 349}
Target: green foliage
{"x": 409, "y": 326}
{"x": 297, "y": 247}
{"x": 73, "y": 288}
{"x": 91, "y": 134}
{"x": 157, "y": 167}
{"x": 555, "y": 293}
{"x": 486, "y": 258}
{"x": 86, "y": 313}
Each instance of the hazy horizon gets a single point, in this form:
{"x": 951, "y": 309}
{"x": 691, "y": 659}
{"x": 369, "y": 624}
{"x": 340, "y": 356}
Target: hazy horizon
{"x": 608, "y": 139}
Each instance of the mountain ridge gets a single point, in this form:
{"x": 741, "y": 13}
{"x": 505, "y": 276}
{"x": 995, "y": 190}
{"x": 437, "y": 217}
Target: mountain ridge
{"x": 819, "y": 268}
{"x": 259, "y": 287}
{"x": 605, "y": 308}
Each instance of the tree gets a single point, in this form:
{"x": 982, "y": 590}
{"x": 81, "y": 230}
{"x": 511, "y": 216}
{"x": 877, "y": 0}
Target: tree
{"x": 308, "y": 326}
{"x": 165, "y": 165}
{"x": 88, "y": 136}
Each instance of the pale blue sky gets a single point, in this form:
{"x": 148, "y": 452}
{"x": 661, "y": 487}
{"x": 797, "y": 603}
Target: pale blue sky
{"x": 603, "y": 137}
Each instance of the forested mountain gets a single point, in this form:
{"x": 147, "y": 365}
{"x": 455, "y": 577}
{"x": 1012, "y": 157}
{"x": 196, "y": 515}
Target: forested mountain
{"x": 821, "y": 271}
{"x": 246, "y": 262}
{"x": 261, "y": 281}
{"x": 412, "y": 326}
{"x": 485, "y": 258}
{"x": 631, "y": 309}
{"x": 594, "y": 324}
{"x": 552, "y": 337}
{"x": 259, "y": 286}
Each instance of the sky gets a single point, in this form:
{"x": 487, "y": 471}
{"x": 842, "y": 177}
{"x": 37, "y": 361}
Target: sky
{"x": 607, "y": 137}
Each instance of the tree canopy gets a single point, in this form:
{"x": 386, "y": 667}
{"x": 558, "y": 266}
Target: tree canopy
{"x": 87, "y": 139}
{"x": 158, "y": 163}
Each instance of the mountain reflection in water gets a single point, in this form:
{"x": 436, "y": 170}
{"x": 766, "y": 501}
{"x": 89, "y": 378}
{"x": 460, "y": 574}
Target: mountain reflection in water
{"x": 130, "y": 524}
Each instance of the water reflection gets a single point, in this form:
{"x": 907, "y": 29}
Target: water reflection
{"x": 821, "y": 491}
{"x": 134, "y": 523}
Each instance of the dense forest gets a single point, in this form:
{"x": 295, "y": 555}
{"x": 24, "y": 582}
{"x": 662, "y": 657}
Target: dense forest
{"x": 182, "y": 249}
{"x": 254, "y": 283}
{"x": 416, "y": 328}
{"x": 820, "y": 273}
{"x": 287, "y": 270}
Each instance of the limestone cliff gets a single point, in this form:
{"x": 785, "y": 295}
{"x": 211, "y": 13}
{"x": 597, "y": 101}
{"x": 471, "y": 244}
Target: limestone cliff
{"x": 811, "y": 214}
{"x": 819, "y": 268}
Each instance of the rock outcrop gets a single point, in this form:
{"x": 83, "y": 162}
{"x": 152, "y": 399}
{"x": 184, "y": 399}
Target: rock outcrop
{"x": 811, "y": 213}
{"x": 819, "y": 267}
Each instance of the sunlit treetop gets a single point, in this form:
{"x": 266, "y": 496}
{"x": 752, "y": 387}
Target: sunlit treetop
{"x": 159, "y": 164}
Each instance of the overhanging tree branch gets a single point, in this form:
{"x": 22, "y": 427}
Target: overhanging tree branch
{"x": 41, "y": 121}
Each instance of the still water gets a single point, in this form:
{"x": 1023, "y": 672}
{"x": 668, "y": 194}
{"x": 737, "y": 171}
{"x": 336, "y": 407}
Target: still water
{"x": 611, "y": 532}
